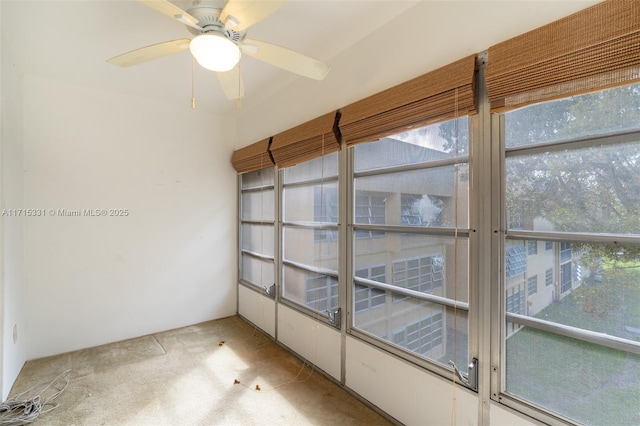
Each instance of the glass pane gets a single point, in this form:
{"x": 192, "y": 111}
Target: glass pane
{"x": 602, "y": 112}
{"x": 314, "y": 203}
{"x": 315, "y": 291}
{"x": 582, "y": 190}
{"x": 257, "y": 271}
{"x": 585, "y": 382}
{"x": 318, "y": 168}
{"x": 414, "y": 198}
{"x": 426, "y": 329}
{"x": 590, "y": 286}
{"x": 257, "y": 205}
{"x": 431, "y": 143}
{"x": 258, "y": 178}
{"x": 418, "y": 262}
{"x": 311, "y": 247}
{"x": 366, "y": 297}
{"x": 257, "y": 238}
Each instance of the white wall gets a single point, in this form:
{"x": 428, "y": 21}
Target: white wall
{"x": 171, "y": 262}
{"x": 12, "y": 310}
{"x": 316, "y": 342}
{"x": 257, "y": 308}
{"x": 411, "y": 395}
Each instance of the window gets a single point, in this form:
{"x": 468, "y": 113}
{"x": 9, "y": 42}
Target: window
{"x": 420, "y": 176}
{"x": 422, "y": 337}
{"x": 578, "y": 182}
{"x": 257, "y": 228}
{"x": 532, "y": 247}
{"x": 565, "y": 252}
{"x": 532, "y": 285}
{"x": 310, "y": 234}
{"x": 515, "y": 301}
{"x": 366, "y": 297}
{"x": 548, "y": 278}
{"x": 421, "y": 210}
{"x": 422, "y": 274}
{"x": 515, "y": 261}
{"x": 325, "y": 210}
{"x": 370, "y": 209}
{"x": 564, "y": 172}
{"x": 321, "y": 293}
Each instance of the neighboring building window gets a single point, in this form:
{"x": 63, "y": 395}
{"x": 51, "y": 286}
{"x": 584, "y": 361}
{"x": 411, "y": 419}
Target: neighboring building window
{"x": 532, "y": 247}
{"x": 548, "y": 277}
{"x": 325, "y": 209}
{"x": 421, "y": 336}
{"x": 421, "y": 210}
{"x": 370, "y": 209}
{"x": 516, "y": 261}
{"x": 565, "y": 277}
{"x": 565, "y": 252}
{"x": 321, "y": 293}
{"x": 515, "y": 301}
{"x": 423, "y": 274}
{"x": 367, "y": 297}
{"x": 532, "y": 285}
{"x": 548, "y": 245}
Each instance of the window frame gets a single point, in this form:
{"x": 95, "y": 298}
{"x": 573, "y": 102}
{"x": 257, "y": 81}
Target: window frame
{"x": 255, "y": 255}
{"x": 327, "y": 228}
{"x": 462, "y": 232}
{"x": 501, "y": 320}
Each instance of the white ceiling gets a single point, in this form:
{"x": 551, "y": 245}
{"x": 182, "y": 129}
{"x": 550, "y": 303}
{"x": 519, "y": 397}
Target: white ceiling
{"x": 370, "y": 44}
{"x": 70, "y": 41}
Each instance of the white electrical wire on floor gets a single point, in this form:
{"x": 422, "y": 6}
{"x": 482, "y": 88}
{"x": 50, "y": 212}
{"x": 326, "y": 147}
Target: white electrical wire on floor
{"x": 19, "y": 411}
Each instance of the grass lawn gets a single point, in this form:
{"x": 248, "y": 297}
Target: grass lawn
{"x": 586, "y": 382}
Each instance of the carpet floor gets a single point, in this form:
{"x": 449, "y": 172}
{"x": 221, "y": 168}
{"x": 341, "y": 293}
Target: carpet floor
{"x": 221, "y": 372}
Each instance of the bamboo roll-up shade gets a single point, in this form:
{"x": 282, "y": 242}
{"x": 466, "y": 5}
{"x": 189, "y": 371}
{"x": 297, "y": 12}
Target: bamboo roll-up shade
{"x": 253, "y": 157}
{"x": 440, "y": 95}
{"x": 305, "y": 142}
{"x": 595, "y": 48}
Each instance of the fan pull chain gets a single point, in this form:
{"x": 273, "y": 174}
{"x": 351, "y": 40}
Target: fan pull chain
{"x": 193, "y": 96}
{"x": 239, "y": 101}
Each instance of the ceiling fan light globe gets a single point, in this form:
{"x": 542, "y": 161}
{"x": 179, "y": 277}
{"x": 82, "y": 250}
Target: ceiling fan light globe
{"x": 215, "y": 52}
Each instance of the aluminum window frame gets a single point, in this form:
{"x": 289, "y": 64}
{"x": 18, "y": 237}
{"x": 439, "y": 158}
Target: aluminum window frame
{"x": 501, "y": 234}
{"x": 273, "y": 223}
{"x": 335, "y": 229}
{"x": 468, "y": 232}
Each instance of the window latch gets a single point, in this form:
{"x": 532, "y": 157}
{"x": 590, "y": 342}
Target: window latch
{"x": 334, "y": 317}
{"x": 469, "y": 379}
{"x": 270, "y": 291}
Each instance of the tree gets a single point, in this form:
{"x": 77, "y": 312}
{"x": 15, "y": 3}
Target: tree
{"x": 590, "y": 189}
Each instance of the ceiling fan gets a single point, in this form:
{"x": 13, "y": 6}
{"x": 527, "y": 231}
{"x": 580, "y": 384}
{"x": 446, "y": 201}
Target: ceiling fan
{"x": 219, "y": 27}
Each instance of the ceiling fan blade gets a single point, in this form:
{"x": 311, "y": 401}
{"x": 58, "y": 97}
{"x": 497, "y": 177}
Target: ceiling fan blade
{"x": 172, "y": 11}
{"x": 245, "y": 13}
{"x": 232, "y": 84}
{"x": 286, "y": 59}
{"x": 149, "y": 53}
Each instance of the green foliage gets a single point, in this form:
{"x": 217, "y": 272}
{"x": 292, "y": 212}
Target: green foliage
{"x": 591, "y": 189}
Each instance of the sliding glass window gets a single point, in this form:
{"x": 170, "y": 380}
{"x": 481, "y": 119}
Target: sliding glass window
{"x": 257, "y": 229}
{"x": 571, "y": 194}
{"x": 310, "y": 234}
{"x": 411, "y": 241}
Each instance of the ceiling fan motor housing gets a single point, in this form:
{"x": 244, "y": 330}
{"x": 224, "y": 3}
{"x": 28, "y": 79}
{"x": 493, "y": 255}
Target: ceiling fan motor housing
{"x": 208, "y": 18}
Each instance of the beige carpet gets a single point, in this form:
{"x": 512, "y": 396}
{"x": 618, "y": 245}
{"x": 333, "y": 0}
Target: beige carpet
{"x": 187, "y": 377}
